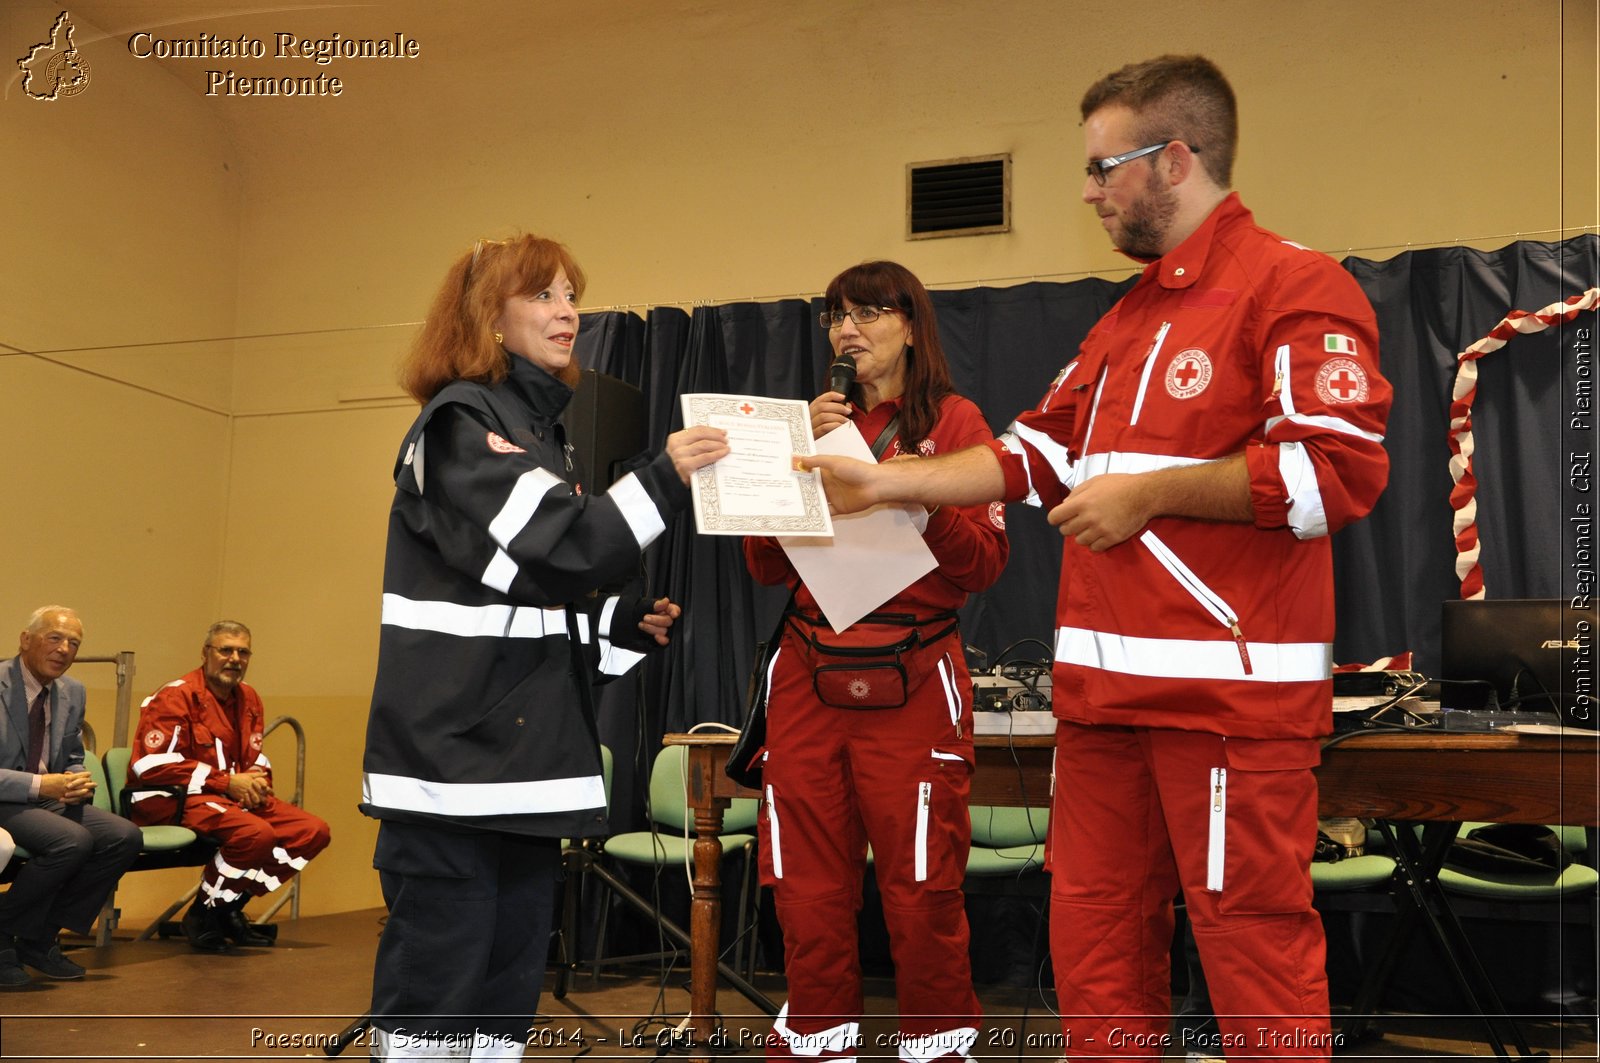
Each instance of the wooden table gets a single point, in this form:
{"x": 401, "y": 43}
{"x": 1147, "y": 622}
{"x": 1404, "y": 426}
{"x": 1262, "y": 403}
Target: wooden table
{"x": 1438, "y": 777}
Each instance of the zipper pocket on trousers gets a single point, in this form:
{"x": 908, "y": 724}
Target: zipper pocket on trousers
{"x": 924, "y": 801}
{"x": 952, "y": 696}
{"x": 1209, "y": 599}
{"x": 772, "y": 834}
{"x": 1217, "y": 834}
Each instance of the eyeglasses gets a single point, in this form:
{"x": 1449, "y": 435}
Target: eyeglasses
{"x": 861, "y": 315}
{"x": 230, "y": 651}
{"x": 1099, "y": 169}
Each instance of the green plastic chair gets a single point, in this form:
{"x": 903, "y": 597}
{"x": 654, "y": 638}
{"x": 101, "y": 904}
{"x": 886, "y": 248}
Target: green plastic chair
{"x": 161, "y": 838}
{"x": 1576, "y": 880}
{"x": 670, "y": 844}
{"x": 1006, "y": 841}
{"x": 669, "y": 808}
{"x": 1352, "y": 873}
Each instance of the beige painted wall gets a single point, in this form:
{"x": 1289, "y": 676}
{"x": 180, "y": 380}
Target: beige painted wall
{"x": 687, "y": 150}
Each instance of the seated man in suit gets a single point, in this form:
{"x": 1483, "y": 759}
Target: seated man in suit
{"x": 202, "y": 735}
{"x": 76, "y": 851}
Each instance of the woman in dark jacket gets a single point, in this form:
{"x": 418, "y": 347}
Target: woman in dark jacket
{"x": 482, "y": 751}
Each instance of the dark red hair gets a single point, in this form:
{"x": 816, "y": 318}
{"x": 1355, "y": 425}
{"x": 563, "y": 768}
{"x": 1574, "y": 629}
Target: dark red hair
{"x": 457, "y": 338}
{"x": 927, "y": 373}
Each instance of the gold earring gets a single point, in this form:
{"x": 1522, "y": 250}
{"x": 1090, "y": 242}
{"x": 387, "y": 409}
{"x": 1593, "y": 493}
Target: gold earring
{"x": 499, "y": 337}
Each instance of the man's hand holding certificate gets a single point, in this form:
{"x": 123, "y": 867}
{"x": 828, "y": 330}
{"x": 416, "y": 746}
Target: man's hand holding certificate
{"x": 852, "y": 565}
{"x": 755, "y": 490}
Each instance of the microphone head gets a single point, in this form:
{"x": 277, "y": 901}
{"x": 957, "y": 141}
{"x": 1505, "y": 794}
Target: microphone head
{"x": 842, "y": 373}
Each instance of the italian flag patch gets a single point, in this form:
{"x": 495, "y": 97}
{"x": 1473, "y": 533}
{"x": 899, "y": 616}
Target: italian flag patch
{"x": 1334, "y": 343}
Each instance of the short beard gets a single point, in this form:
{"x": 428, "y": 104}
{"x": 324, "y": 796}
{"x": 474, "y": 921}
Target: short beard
{"x": 1145, "y": 226}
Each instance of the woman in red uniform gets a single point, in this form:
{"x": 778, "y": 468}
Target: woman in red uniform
{"x": 877, "y": 748}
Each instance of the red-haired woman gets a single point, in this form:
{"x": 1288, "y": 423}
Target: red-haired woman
{"x": 482, "y": 751}
{"x": 858, "y": 754}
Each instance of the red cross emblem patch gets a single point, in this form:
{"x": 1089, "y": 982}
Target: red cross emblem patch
{"x": 1341, "y": 380}
{"x": 501, "y": 445}
{"x": 1188, "y": 373}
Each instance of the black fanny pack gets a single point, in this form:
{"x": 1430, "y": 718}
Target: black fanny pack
{"x": 879, "y": 672}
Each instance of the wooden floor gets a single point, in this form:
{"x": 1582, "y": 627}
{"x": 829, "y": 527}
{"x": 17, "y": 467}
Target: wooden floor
{"x": 159, "y": 1000}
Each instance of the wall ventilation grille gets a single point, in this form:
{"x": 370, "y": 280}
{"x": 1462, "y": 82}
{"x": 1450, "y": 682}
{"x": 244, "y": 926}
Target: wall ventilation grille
{"x": 958, "y": 197}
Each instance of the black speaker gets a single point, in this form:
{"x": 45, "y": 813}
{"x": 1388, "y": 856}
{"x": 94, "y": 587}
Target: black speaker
{"x": 607, "y": 423}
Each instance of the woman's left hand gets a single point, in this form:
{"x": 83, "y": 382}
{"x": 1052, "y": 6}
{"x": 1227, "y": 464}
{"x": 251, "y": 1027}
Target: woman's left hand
{"x": 695, "y": 448}
{"x": 659, "y": 620}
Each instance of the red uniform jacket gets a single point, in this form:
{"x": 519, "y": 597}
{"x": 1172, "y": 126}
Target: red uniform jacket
{"x": 1236, "y": 341}
{"x": 186, "y": 739}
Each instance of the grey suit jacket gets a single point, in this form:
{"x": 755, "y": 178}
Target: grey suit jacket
{"x": 66, "y": 730}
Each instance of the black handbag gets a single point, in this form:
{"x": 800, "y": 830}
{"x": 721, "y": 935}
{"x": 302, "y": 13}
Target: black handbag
{"x": 750, "y": 748}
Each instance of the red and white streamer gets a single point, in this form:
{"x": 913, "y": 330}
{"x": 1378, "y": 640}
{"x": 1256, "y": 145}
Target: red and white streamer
{"x": 1463, "y": 495}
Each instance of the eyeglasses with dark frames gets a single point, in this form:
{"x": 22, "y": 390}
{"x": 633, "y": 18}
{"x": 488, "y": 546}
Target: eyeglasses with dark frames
{"x": 1100, "y": 169}
{"x": 861, "y": 315}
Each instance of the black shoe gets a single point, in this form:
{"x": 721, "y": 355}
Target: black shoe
{"x": 12, "y": 976}
{"x": 204, "y": 928}
{"x": 243, "y": 932}
{"x": 48, "y": 960}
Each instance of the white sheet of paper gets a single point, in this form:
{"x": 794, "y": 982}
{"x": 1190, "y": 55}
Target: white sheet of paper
{"x": 755, "y": 490}
{"x": 873, "y": 555}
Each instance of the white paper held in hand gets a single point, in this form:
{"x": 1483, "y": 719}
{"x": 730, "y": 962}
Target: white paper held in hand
{"x": 755, "y": 490}
{"x": 872, "y": 556}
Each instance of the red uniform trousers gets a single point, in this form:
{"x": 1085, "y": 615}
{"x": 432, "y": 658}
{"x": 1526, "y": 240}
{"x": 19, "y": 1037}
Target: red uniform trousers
{"x": 261, "y": 847}
{"x": 1137, "y": 815}
{"x": 837, "y": 779}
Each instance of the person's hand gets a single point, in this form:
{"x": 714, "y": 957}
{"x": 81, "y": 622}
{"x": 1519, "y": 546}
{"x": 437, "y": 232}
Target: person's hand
{"x": 849, "y": 484}
{"x": 68, "y": 787}
{"x": 249, "y": 788}
{"x": 694, "y": 448}
{"x": 1105, "y": 511}
{"x": 658, "y": 622}
{"x": 828, "y": 411}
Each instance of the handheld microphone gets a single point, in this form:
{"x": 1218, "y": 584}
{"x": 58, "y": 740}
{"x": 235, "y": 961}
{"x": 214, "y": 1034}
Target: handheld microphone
{"x": 841, "y": 374}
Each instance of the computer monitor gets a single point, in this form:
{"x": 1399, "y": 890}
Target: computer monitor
{"x": 1535, "y": 654}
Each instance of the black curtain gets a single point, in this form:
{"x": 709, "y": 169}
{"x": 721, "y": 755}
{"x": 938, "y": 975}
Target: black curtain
{"x": 1005, "y": 345}
{"x": 1394, "y": 569}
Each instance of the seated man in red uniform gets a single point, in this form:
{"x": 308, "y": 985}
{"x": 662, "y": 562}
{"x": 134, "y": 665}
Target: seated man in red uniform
{"x": 200, "y": 737}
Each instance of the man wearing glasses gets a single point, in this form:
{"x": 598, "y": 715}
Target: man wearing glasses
{"x": 1215, "y": 426}
{"x": 199, "y": 744}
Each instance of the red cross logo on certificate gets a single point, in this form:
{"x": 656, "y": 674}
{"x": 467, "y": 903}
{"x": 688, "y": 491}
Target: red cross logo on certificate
{"x": 746, "y": 409}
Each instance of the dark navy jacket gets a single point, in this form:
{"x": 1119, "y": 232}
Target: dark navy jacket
{"x": 494, "y": 554}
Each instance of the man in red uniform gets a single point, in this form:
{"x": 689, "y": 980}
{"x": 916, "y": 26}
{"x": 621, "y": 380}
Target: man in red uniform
{"x": 1216, "y": 425}
{"x": 200, "y": 742}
